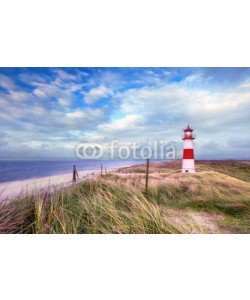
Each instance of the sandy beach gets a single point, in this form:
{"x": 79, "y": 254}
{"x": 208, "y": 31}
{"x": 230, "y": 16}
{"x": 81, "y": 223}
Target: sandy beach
{"x": 9, "y": 190}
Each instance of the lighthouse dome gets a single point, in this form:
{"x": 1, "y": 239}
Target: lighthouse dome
{"x": 188, "y": 133}
{"x": 188, "y": 128}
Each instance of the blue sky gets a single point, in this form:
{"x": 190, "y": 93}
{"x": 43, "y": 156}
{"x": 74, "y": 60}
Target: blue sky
{"x": 46, "y": 112}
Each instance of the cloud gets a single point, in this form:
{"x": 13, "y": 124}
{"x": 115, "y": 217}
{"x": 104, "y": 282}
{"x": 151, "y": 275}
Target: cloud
{"x": 177, "y": 103}
{"x": 127, "y": 123}
{"x": 20, "y": 96}
{"x": 85, "y": 114}
{"x": 63, "y": 75}
{"x": 3, "y": 143}
{"x": 95, "y": 94}
{"x": 48, "y": 91}
{"x": 7, "y": 83}
{"x": 228, "y": 77}
{"x": 42, "y": 111}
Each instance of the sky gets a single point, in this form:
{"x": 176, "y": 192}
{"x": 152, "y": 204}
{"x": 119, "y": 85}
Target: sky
{"x": 46, "y": 112}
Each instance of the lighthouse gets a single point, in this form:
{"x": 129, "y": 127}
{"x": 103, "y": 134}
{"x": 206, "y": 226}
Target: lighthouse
{"x": 188, "y": 151}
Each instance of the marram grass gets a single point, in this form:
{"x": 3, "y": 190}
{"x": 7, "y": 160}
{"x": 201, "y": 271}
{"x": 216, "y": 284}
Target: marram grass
{"x": 206, "y": 202}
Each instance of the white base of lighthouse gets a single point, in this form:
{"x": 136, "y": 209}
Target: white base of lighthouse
{"x": 188, "y": 166}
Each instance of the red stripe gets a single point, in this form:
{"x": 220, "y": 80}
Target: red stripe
{"x": 188, "y": 153}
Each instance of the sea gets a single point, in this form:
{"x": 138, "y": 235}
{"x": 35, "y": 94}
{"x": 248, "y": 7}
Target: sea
{"x": 21, "y": 170}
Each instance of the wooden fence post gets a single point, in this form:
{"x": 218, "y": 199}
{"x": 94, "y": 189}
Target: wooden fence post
{"x": 147, "y": 171}
{"x": 75, "y": 174}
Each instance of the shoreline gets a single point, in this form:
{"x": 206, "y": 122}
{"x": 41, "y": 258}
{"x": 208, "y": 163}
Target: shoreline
{"x": 11, "y": 189}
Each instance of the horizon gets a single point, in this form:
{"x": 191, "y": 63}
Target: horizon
{"x": 115, "y": 159}
{"x": 46, "y": 112}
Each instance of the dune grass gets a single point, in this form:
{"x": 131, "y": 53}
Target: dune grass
{"x": 234, "y": 168}
{"x": 89, "y": 207}
{"x": 205, "y": 202}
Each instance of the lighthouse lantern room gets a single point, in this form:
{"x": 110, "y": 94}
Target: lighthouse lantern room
{"x": 188, "y": 151}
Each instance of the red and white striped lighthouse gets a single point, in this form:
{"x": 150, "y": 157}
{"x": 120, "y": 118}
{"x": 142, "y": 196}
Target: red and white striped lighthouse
{"x": 188, "y": 151}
